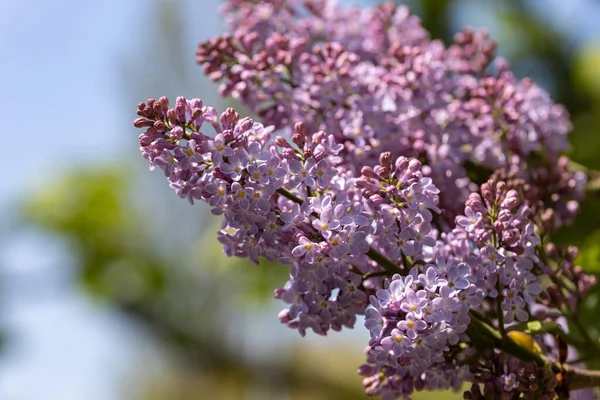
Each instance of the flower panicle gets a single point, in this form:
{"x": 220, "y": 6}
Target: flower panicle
{"x": 398, "y": 178}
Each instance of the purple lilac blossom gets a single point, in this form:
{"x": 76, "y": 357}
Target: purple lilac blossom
{"x": 399, "y": 90}
{"x": 367, "y": 196}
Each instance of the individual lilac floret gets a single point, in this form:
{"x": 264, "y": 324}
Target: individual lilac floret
{"x": 510, "y": 382}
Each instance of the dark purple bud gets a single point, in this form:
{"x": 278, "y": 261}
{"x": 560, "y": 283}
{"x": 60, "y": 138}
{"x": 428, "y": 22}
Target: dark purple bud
{"x": 228, "y": 135}
{"x": 366, "y": 370}
{"x": 377, "y": 200}
{"x": 185, "y": 175}
{"x": 160, "y": 126}
{"x": 280, "y": 141}
{"x": 384, "y": 173}
{"x": 196, "y": 113}
{"x": 298, "y": 140}
{"x": 146, "y": 139}
{"x": 217, "y": 173}
{"x": 142, "y": 122}
{"x": 172, "y": 116}
{"x": 385, "y": 159}
{"x": 367, "y": 172}
{"x": 157, "y": 110}
{"x": 300, "y": 128}
{"x": 552, "y": 251}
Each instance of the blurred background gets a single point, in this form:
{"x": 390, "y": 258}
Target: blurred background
{"x": 111, "y": 287}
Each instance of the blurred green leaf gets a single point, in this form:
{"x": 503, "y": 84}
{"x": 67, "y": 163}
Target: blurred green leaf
{"x": 258, "y": 281}
{"x": 534, "y": 327}
{"x": 589, "y": 253}
{"x": 89, "y": 208}
{"x": 587, "y": 69}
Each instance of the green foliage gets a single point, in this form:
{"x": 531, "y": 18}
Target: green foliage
{"x": 589, "y": 253}
{"x": 255, "y": 283}
{"x": 116, "y": 249}
{"x": 535, "y": 327}
{"x": 105, "y": 232}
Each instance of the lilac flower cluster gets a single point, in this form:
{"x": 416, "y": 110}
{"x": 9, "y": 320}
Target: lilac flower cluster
{"x": 501, "y": 247}
{"x": 372, "y": 200}
{"x": 416, "y": 321}
{"x": 291, "y": 203}
{"x": 413, "y": 322}
{"x": 394, "y": 89}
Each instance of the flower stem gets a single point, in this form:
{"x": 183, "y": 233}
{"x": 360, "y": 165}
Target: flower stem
{"x": 578, "y": 378}
{"x": 290, "y": 196}
{"x": 374, "y": 274}
{"x": 499, "y": 311}
{"x": 505, "y": 343}
{"x": 383, "y": 261}
{"x": 575, "y": 378}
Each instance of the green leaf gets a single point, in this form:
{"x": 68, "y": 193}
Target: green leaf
{"x": 589, "y": 253}
{"x": 535, "y": 327}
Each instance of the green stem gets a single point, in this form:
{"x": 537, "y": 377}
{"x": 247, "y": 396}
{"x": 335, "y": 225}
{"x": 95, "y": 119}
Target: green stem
{"x": 499, "y": 308}
{"x": 505, "y": 343}
{"x": 290, "y": 196}
{"x": 578, "y": 378}
{"x": 479, "y": 316}
{"x": 374, "y": 274}
{"x": 575, "y": 378}
{"x": 383, "y": 261}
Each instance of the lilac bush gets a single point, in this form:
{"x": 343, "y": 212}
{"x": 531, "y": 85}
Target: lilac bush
{"x": 411, "y": 183}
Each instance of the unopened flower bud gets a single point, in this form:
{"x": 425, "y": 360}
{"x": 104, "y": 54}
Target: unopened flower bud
{"x": 160, "y": 126}
{"x": 319, "y": 136}
{"x": 385, "y": 159}
{"x": 228, "y": 135}
{"x": 367, "y": 172}
{"x": 384, "y": 173}
{"x": 300, "y": 129}
{"x": 298, "y": 140}
{"x": 414, "y": 165}
{"x": 142, "y": 122}
{"x": 280, "y": 141}
{"x": 401, "y": 163}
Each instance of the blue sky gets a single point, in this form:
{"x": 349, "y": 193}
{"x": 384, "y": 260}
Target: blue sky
{"x": 61, "y": 105}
